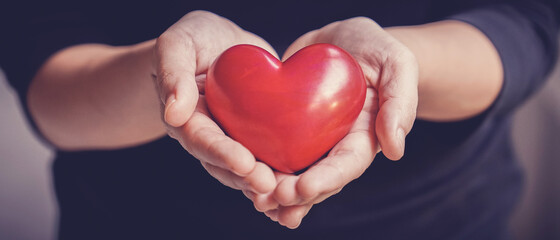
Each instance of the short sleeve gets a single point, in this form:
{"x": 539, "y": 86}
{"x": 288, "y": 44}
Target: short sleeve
{"x": 525, "y": 35}
{"x": 33, "y": 33}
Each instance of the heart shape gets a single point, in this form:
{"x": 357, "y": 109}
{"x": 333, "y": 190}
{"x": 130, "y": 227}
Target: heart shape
{"x": 288, "y": 114}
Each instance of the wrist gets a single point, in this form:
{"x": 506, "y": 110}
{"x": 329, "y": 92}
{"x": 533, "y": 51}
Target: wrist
{"x": 415, "y": 40}
{"x": 143, "y": 53}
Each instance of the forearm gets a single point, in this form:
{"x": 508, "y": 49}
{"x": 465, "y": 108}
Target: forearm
{"x": 97, "y": 97}
{"x": 460, "y": 71}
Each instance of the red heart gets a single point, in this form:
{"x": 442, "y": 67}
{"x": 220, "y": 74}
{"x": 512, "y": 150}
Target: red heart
{"x": 287, "y": 114}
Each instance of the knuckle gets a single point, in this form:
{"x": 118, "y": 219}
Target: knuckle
{"x": 215, "y": 147}
{"x": 164, "y": 77}
{"x": 163, "y": 84}
{"x": 360, "y": 20}
{"x": 200, "y": 13}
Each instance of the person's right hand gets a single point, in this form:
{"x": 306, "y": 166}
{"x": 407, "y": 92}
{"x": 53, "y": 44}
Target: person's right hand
{"x": 182, "y": 56}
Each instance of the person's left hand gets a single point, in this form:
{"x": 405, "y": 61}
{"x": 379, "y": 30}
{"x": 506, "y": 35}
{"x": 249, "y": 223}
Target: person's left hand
{"x": 391, "y": 73}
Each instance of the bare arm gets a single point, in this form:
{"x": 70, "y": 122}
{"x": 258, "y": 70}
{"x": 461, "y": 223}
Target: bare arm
{"x": 104, "y": 97}
{"x": 442, "y": 71}
{"x": 97, "y": 96}
{"x": 460, "y": 71}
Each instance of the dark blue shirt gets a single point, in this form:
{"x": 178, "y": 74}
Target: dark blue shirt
{"x": 457, "y": 180}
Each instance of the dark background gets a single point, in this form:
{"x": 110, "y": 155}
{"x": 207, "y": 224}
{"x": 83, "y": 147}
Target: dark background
{"x": 28, "y": 208}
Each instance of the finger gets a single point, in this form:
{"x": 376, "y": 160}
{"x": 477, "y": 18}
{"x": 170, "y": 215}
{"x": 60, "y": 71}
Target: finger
{"x": 324, "y": 196}
{"x": 360, "y": 145}
{"x": 291, "y": 198}
{"x": 249, "y": 194}
{"x": 303, "y": 41}
{"x": 204, "y": 139}
{"x": 286, "y": 193}
{"x": 201, "y": 83}
{"x": 260, "y": 180}
{"x": 346, "y": 162}
{"x": 272, "y": 214}
{"x": 262, "y": 202}
{"x": 256, "y": 40}
{"x": 175, "y": 68}
{"x": 265, "y": 203}
{"x": 292, "y": 216}
{"x": 225, "y": 177}
{"x": 398, "y": 101}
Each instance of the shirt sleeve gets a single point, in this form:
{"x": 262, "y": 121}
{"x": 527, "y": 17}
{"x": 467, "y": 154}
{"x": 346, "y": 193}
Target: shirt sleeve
{"x": 32, "y": 34}
{"x": 525, "y": 35}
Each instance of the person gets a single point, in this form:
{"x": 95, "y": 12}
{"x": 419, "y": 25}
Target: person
{"x": 454, "y": 70}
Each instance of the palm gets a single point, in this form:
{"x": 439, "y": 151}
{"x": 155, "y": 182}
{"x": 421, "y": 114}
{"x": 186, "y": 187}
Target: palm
{"x": 388, "y": 114}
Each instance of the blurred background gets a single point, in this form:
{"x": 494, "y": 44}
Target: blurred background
{"x": 28, "y": 207}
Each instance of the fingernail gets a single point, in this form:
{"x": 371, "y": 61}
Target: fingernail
{"x": 168, "y": 103}
{"x": 273, "y": 215}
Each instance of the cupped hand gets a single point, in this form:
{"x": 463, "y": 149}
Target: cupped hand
{"x": 182, "y": 55}
{"x": 391, "y": 73}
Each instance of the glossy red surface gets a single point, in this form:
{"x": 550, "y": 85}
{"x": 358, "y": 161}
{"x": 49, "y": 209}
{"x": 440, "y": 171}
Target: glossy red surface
{"x": 287, "y": 114}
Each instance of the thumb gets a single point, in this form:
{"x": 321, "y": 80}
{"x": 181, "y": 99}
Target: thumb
{"x": 398, "y": 101}
{"x": 175, "y": 66}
